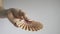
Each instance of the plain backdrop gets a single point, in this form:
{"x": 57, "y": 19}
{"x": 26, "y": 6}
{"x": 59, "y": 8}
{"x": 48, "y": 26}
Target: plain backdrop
{"x": 45, "y": 11}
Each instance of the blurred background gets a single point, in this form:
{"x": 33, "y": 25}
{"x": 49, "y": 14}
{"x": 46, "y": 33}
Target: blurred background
{"x": 45, "y": 11}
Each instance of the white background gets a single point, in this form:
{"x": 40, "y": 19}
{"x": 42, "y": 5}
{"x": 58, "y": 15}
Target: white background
{"x": 45, "y": 11}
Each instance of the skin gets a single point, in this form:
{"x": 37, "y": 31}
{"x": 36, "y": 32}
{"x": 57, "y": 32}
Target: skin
{"x": 17, "y": 13}
{"x": 13, "y": 13}
{"x": 3, "y": 13}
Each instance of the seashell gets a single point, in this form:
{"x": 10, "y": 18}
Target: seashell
{"x": 31, "y": 26}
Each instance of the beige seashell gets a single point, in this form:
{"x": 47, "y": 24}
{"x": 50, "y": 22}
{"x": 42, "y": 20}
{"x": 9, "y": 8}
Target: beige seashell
{"x": 32, "y": 26}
